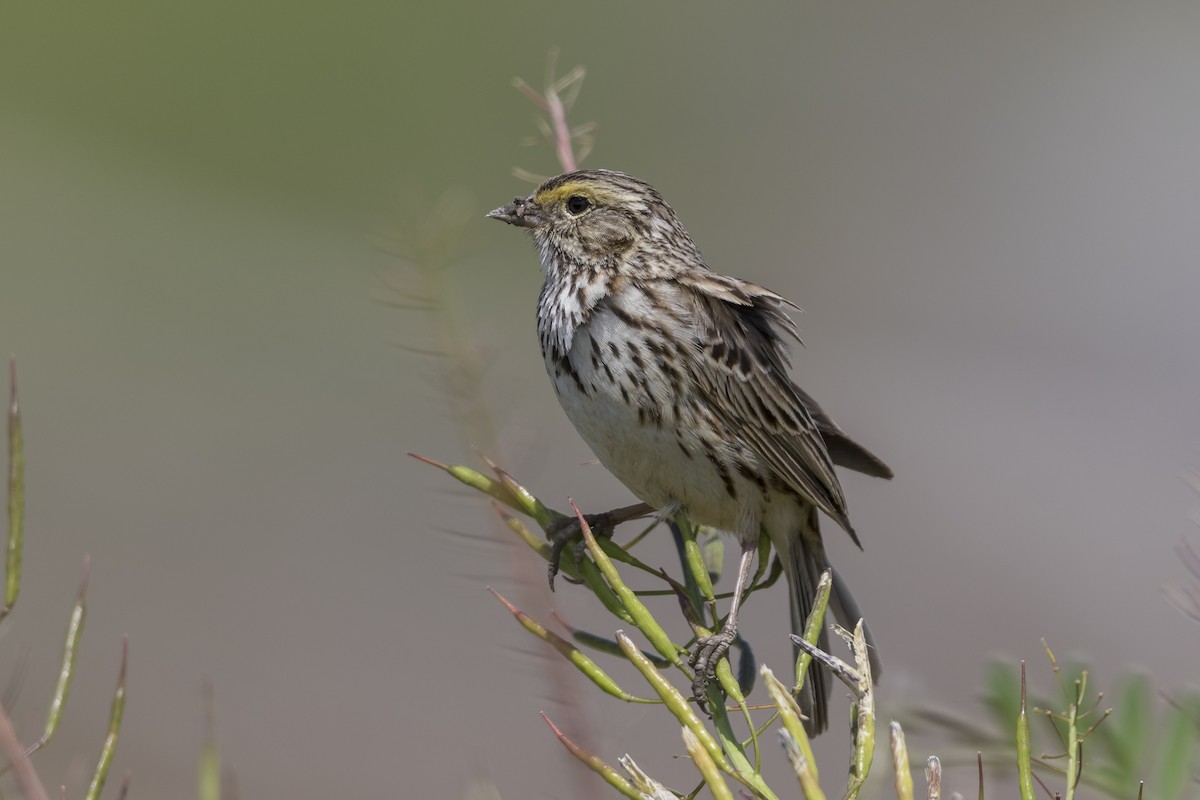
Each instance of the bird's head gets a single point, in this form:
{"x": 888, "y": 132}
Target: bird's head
{"x": 595, "y": 219}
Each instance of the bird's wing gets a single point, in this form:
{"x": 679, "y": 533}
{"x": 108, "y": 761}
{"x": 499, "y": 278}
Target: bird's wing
{"x": 742, "y": 366}
{"x": 844, "y": 451}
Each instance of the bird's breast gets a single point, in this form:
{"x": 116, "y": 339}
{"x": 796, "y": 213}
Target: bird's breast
{"x": 627, "y": 392}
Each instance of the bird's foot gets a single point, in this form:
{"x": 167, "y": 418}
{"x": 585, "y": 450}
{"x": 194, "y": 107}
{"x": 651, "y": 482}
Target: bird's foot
{"x": 705, "y": 656}
{"x": 563, "y": 530}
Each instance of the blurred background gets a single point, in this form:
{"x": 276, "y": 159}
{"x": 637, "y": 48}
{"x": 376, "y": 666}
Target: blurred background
{"x": 988, "y": 212}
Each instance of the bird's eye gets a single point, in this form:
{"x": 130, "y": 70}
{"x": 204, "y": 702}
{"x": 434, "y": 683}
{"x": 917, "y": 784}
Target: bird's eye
{"x": 577, "y": 204}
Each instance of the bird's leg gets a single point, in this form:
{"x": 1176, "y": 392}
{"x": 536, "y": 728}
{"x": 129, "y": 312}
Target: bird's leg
{"x": 562, "y": 530}
{"x": 710, "y": 650}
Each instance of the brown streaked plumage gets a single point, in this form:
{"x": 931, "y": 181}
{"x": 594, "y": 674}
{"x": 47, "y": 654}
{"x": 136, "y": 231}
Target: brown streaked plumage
{"x": 677, "y": 377}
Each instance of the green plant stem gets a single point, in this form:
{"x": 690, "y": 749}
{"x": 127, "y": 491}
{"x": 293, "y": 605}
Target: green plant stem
{"x": 116, "y": 714}
{"x": 16, "y": 496}
{"x": 596, "y": 764}
{"x": 1024, "y": 749}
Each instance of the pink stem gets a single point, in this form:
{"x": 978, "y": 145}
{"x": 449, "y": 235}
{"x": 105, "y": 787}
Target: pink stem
{"x": 562, "y": 134}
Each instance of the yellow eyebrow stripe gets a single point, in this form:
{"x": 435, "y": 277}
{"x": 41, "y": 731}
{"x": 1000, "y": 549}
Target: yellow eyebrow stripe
{"x": 599, "y": 195}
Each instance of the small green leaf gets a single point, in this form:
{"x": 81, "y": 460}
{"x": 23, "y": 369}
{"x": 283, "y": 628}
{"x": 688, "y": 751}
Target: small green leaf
{"x": 1127, "y": 734}
{"x": 116, "y": 714}
{"x": 16, "y": 495}
{"x": 570, "y": 652}
{"x": 594, "y": 581}
{"x": 637, "y": 610}
{"x": 690, "y": 561}
{"x": 695, "y": 567}
{"x": 597, "y": 642}
{"x": 725, "y": 735}
{"x": 813, "y": 626}
{"x": 707, "y": 767}
{"x": 1024, "y": 749}
{"x": 1177, "y": 747}
{"x": 674, "y": 700}
{"x": 900, "y": 765}
{"x": 712, "y": 546}
{"x": 696, "y": 583}
{"x": 70, "y": 649}
{"x": 1002, "y": 693}
{"x": 793, "y": 738}
{"x": 596, "y": 764}
{"x": 863, "y": 727}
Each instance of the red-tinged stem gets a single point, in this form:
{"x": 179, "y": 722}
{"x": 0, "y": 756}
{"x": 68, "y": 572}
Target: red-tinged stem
{"x": 429, "y": 461}
{"x": 562, "y": 133}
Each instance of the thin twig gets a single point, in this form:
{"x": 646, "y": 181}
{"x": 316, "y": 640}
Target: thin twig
{"x": 27, "y": 777}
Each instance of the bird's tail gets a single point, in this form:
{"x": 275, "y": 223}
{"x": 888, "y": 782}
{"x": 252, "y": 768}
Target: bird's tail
{"x": 803, "y": 564}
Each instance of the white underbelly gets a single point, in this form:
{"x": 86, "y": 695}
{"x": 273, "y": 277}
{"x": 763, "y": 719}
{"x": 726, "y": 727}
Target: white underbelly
{"x": 663, "y": 460}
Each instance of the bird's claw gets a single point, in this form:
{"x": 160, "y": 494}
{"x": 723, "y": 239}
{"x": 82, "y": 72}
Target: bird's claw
{"x": 705, "y": 656}
{"x": 563, "y": 530}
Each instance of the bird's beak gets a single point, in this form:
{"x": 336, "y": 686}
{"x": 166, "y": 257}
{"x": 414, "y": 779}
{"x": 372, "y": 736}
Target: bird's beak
{"x": 522, "y": 212}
